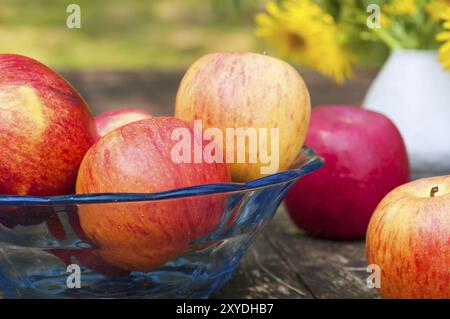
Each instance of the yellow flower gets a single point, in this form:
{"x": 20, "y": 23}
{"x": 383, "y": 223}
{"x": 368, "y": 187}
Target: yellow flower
{"x": 301, "y": 30}
{"x": 385, "y": 21}
{"x": 400, "y": 8}
{"x": 436, "y": 7}
{"x": 444, "y": 50}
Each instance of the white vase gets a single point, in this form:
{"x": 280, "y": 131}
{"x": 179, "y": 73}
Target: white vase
{"x": 413, "y": 90}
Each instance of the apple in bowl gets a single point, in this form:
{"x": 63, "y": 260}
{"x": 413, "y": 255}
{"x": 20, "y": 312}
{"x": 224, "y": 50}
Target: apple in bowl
{"x": 252, "y": 93}
{"x": 409, "y": 239}
{"x": 137, "y": 158}
{"x": 89, "y": 258}
{"x": 45, "y": 129}
{"x": 109, "y": 121}
{"x": 365, "y": 158}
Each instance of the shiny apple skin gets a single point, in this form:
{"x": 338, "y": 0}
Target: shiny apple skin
{"x": 247, "y": 90}
{"x": 409, "y": 239}
{"x": 45, "y": 129}
{"x": 365, "y": 158}
{"x": 136, "y": 158}
{"x": 109, "y": 121}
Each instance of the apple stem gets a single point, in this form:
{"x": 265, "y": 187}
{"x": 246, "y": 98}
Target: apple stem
{"x": 434, "y": 190}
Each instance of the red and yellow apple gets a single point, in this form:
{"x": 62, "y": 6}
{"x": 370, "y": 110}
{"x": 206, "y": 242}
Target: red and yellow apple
{"x": 409, "y": 239}
{"x": 87, "y": 257}
{"x": 365, "y": 158}
{"x": 45, "y": 129}
{"x": 247, "y": 90}
{"x": 136, "y": 158}
{"x": 109, "y": 121}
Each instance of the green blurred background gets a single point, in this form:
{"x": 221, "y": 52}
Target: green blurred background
{"x": 134, "y": 34}
{"x": 133, "y": 53}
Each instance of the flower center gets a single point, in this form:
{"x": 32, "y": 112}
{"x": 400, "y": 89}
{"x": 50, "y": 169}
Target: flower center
{"x": 295, "y": 41}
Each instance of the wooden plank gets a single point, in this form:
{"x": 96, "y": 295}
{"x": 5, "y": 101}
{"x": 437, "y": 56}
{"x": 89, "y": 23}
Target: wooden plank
{"x": 329, "y": 269}
{"x": 319, "y": 268}
{"x": 263, "y": 274}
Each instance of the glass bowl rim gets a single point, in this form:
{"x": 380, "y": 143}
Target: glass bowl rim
{"x": 311, "y": 163}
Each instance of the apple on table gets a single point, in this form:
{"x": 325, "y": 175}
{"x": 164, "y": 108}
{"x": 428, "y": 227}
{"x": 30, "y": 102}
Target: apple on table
{"x": 409, "y": 239}
{"x": 365, "y": 158}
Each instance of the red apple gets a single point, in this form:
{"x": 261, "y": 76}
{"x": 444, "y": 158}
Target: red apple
{"x": 409, "y": 239}
{"x": 84, "y": 257}
{"x": 45, "y": 129}
{"x": 365, "y": 158}
{"x": 248, "y": 91}
{"x": 12, "y": 216}
{"x": 136, "y": 158}
{"x": 89, "y": 259}
{"x": 109, "y": 121}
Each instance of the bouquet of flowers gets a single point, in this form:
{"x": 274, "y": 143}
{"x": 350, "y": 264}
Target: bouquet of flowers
{"x": 330, "y": 36}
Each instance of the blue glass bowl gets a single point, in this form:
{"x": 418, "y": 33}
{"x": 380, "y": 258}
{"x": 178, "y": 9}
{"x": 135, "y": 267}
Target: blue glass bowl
{"x": 45, "y": 254}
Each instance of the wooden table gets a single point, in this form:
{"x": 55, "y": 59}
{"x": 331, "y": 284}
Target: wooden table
{"x": 284, "y": 262}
